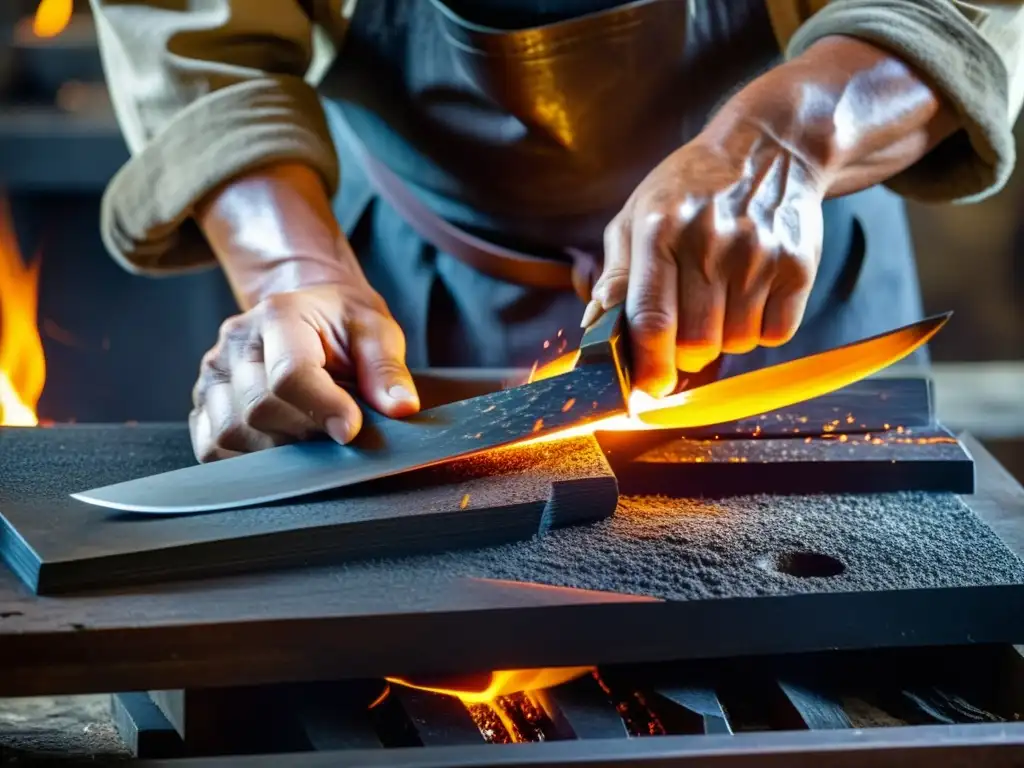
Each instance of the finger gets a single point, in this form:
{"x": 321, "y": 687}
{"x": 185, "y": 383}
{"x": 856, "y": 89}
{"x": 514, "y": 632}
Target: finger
{"x": 229, "y": 432}
{"x": 783, "y": 311}
{"x": 610, "y": 287}
{"x": 702, "y": 299}
{"x": 294, "y": 360}
{"x": 203, "y": 445}
{"x": 750, "y": 278}
{"x": 378, "y": 351}
{"x": 801, "y": 229}
{"x": 744, "y": 312}
{"x": 262, "y": 410}
{"x": 652, "y": 305}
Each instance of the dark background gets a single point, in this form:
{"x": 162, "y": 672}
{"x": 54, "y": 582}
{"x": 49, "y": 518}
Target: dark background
{"x": 121, "y": 347}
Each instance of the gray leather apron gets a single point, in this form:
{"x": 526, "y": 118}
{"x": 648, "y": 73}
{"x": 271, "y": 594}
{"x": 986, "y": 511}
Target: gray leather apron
{"x": 532, "y": 137}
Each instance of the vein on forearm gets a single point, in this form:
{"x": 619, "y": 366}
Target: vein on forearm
{"x": 853, "y": 112}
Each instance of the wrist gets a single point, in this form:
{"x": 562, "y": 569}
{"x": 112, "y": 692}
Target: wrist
{"x": 786, "y": 109}
{"x": 851, "y": 112}
{"x": 273, "y": 231}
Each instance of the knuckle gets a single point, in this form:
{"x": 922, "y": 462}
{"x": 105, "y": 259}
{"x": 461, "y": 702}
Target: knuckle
{"x": 389, "y": 368}
{"x": 375, "y": 304}
{"x": 614, "y": 232}
{"x": 234, "y": 327}
{"x": 258, "y": 408}
{"x": 615, "y": 274}
{"x": 652, "y": 321}
{"x": 793, "y": 271}
{"x": 655, "y": 222}
{"x": 229, "y": 432}
{"x": 286, "y": 375}
{"x": 206, "y": 452}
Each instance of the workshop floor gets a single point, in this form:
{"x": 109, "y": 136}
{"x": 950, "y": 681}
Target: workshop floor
{"x": 62, "y": 730}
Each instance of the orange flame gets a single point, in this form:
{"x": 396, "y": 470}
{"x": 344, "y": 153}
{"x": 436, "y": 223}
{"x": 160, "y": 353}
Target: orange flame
{"x": 502, "y": 683}
{"x": 22, "y": 364}
{"x": 52, "y": 17}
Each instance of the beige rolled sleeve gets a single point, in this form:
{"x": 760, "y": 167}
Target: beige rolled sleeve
{"x": 201, "y": 96}
{"x": 969, "y": 51}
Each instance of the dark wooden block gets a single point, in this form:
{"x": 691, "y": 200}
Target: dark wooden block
{"x": 691, "y": 709}
{"x": 60, "y": 544}
{"x": 580, "y": 709}
{"x": 806, "y": 706}
{"x": 336, "y": 715}
{"x": 224, "y": 721}
{"x": 907, "y": 460}
{"x": 144, "y": 728}
{"x": 435, "y": 720}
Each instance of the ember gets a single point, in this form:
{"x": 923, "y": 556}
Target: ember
{"x": 502, "y": 705}
{"x": 52, "y": 17}
{"x": 22, "y": 364}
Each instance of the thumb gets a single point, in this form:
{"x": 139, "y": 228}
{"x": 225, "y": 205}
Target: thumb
{"x": 610, "y": 289}
{"x": 377, "y": 346}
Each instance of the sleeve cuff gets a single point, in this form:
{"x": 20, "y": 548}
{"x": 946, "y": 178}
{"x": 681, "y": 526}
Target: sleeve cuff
{"x": 146, "y": 216}
{"x": 942, "y": 44}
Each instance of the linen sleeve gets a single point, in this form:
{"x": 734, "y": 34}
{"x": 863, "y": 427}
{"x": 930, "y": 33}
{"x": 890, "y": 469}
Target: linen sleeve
{"x": 201, "y": 95}
{"x": 970, "y": 52}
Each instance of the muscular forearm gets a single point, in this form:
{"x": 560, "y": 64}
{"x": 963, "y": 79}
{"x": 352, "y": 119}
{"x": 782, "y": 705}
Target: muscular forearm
{"x": 273, "y": 231}
{"x": 855, "y": 114}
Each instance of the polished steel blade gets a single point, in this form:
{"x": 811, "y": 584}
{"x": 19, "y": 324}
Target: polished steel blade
{"x": 385, "y": 447}
{"x": 789, "y": 383}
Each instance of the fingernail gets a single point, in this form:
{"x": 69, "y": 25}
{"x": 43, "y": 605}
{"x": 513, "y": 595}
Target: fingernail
{"x": 591, "y": 313}
{"x": 337, "y": 429}
{"x": 692, "y": 363}
{"x": 401, "y": 393}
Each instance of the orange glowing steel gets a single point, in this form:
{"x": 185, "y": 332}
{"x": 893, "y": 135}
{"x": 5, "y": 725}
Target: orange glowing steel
{"x": 22, "y": 365}
{"x": 52, "y": 17}
{"x": 757, "y": 392}
{"x": 788, "y": 383}
{"x": 502, "y": 683}
{"x": 558, "y": 366}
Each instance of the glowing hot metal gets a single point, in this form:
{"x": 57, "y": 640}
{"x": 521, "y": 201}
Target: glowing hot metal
{"x": 761, "y": 391}
{"x": 789, "y": 383}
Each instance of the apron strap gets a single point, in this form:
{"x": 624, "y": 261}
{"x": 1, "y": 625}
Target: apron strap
{"x": 578, "y": 272}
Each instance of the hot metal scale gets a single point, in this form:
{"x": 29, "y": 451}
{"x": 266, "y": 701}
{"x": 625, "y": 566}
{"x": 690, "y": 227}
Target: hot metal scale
{"x": 833, "y": 584}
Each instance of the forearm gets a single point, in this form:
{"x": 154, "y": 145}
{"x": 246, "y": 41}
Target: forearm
{"x": 853, "y": 113}
{"x": 273, "y": 230}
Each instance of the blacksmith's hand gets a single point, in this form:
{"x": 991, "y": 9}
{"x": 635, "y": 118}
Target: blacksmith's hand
{"x": 717, "y": 249}
{"x": 311, "y": 320}
{"x": 714, "y": 252}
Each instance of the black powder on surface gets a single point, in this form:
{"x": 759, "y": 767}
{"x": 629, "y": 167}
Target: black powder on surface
{"x": 684, "y": 549}
{"x": 680, "y": 549}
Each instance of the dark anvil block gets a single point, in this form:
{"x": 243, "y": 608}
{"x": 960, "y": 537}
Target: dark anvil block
{"x": 663, "y": 578}
{"x": 58, "y": 544}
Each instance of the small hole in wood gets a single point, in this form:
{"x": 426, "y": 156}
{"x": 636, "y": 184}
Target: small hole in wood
{"x": 807, "y": 565}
